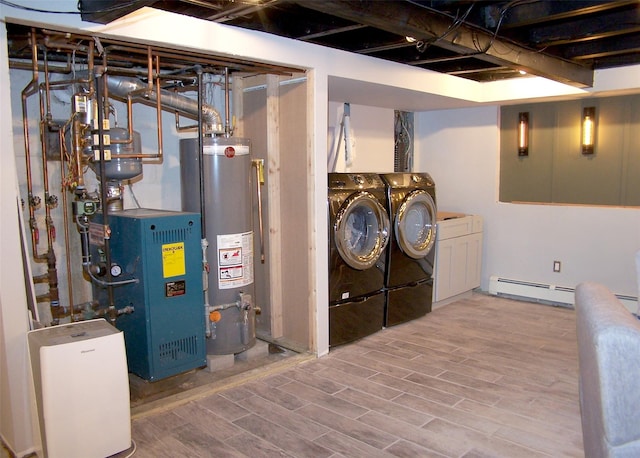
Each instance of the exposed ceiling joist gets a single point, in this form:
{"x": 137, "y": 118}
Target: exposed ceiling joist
{"x": 538, "y": 12}
{"x": 615, "y": 46}
{"x": 481, "y": 40}
{"x": 443, "y": 31}
{"x": 586, "y": 29}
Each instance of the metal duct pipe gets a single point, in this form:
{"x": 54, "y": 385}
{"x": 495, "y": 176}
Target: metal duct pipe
{"x": 122, "y": 86}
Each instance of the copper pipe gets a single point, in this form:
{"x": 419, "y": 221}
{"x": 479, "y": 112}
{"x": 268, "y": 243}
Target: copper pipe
{"x": 192, "y": 127}
{"x": 49, "y": 43}
{"x": 76, "y": 142}
{"x": 49, "y": 200}
{"x": 179, "y": 128}
{"x": 149, "y": 70}
{"x": 42, "y": 278}
{"x": 146, "y": 93}
{"x": 129, "y": 120}
{"x": 129, "y": 139}
{"x": 28, "y": 91}
{"x": 90, "y": 66}
{"x": 18, "y": 65}
{"x": 105, "y": 89}
{"x": 65, "y": 216}
{"x": 44, "y": 122}
{"x": 46, "y": 84}
{"x": 77, "y": 125}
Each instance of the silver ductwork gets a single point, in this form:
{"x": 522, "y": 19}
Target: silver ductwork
{"x": 123, "y": 86}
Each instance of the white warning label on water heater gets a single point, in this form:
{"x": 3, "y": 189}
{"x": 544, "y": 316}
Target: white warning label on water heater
{"x": 235, "y": 260}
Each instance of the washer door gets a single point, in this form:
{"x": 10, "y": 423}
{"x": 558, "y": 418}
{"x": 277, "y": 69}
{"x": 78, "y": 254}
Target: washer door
{"x": 415, "y": 224}
{"x": 361, "y": 230}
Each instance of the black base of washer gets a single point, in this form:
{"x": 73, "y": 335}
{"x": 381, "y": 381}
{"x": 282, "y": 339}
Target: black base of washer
{"x": 406, "y": 303}
{"x": 349, "y": 321}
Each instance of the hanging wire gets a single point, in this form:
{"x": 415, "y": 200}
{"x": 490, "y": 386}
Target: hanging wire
{"x": 503, "y": 12}
{"x": 422, "y": 45}
{"x": 39, "y": 10}
{"x": 133, "y": 195}
{"x": 458, "y": 21}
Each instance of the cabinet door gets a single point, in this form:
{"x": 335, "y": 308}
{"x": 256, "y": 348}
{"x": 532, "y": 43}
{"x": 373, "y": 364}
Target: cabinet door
{"x": 442, "y": 269}
{"x": 450, "y": 255}
{"x": 458, "y": 263}
{"x": 474, "y": 261}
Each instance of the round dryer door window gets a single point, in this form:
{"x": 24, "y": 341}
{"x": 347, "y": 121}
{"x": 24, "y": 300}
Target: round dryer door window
{"x": 415, "y": 224}
{"x": 361, "y": 230}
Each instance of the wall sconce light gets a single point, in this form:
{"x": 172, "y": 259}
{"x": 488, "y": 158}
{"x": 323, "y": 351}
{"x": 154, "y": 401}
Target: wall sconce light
{"x": 588, "y": 129}
{"x": 523, "y": 133}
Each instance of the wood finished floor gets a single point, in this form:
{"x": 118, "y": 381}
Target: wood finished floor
{"x": 480, "y": 377}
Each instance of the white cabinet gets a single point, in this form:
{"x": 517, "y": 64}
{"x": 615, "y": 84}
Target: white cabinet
{"x": 458, "y": 256}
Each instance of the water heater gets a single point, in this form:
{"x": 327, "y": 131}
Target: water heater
{"x": 160, "y": 249}
{"x": 229, "y": 231}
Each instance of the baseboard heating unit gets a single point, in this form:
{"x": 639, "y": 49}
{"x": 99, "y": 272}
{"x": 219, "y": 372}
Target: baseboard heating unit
{"x": 543, "y": 292}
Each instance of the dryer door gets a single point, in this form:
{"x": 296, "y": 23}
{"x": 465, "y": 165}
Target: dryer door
{"x": 361, "y": 230}
{"x": 415, "y": 224}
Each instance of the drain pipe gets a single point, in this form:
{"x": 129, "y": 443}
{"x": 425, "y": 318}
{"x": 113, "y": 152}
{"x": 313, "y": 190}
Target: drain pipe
{"x": 204, "y": 243}
{"x": 65, "y": 214}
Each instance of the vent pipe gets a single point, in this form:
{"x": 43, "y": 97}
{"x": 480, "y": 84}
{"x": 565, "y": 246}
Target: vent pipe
{"x": 123, "y": 86}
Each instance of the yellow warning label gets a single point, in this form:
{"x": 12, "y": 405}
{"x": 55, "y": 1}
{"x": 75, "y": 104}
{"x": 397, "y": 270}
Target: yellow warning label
{"x": 173, "y": 260}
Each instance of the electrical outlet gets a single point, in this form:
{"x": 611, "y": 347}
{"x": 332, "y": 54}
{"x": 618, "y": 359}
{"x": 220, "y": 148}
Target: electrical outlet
{"x": 556, "y": 266}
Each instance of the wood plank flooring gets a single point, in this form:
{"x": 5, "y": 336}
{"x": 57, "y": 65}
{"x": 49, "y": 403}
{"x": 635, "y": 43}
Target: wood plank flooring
{"x": 480, "y": 377}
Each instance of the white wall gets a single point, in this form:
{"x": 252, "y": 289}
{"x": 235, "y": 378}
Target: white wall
{"x": 372, "y": 137}
{"x": 460, "y": 148}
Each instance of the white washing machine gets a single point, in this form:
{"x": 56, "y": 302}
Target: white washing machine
{"x": 411, "y": 199}
{"x": 358, "y": 236}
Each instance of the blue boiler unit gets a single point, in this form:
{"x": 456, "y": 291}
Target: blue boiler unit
{"x": 165, "y": 333}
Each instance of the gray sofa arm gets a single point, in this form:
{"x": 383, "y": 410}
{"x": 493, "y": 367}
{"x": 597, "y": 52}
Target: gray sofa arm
{"x": 609, "y": 360}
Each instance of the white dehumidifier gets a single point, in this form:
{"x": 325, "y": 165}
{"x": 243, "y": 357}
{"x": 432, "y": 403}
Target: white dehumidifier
{"x": 82, "y": 389}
